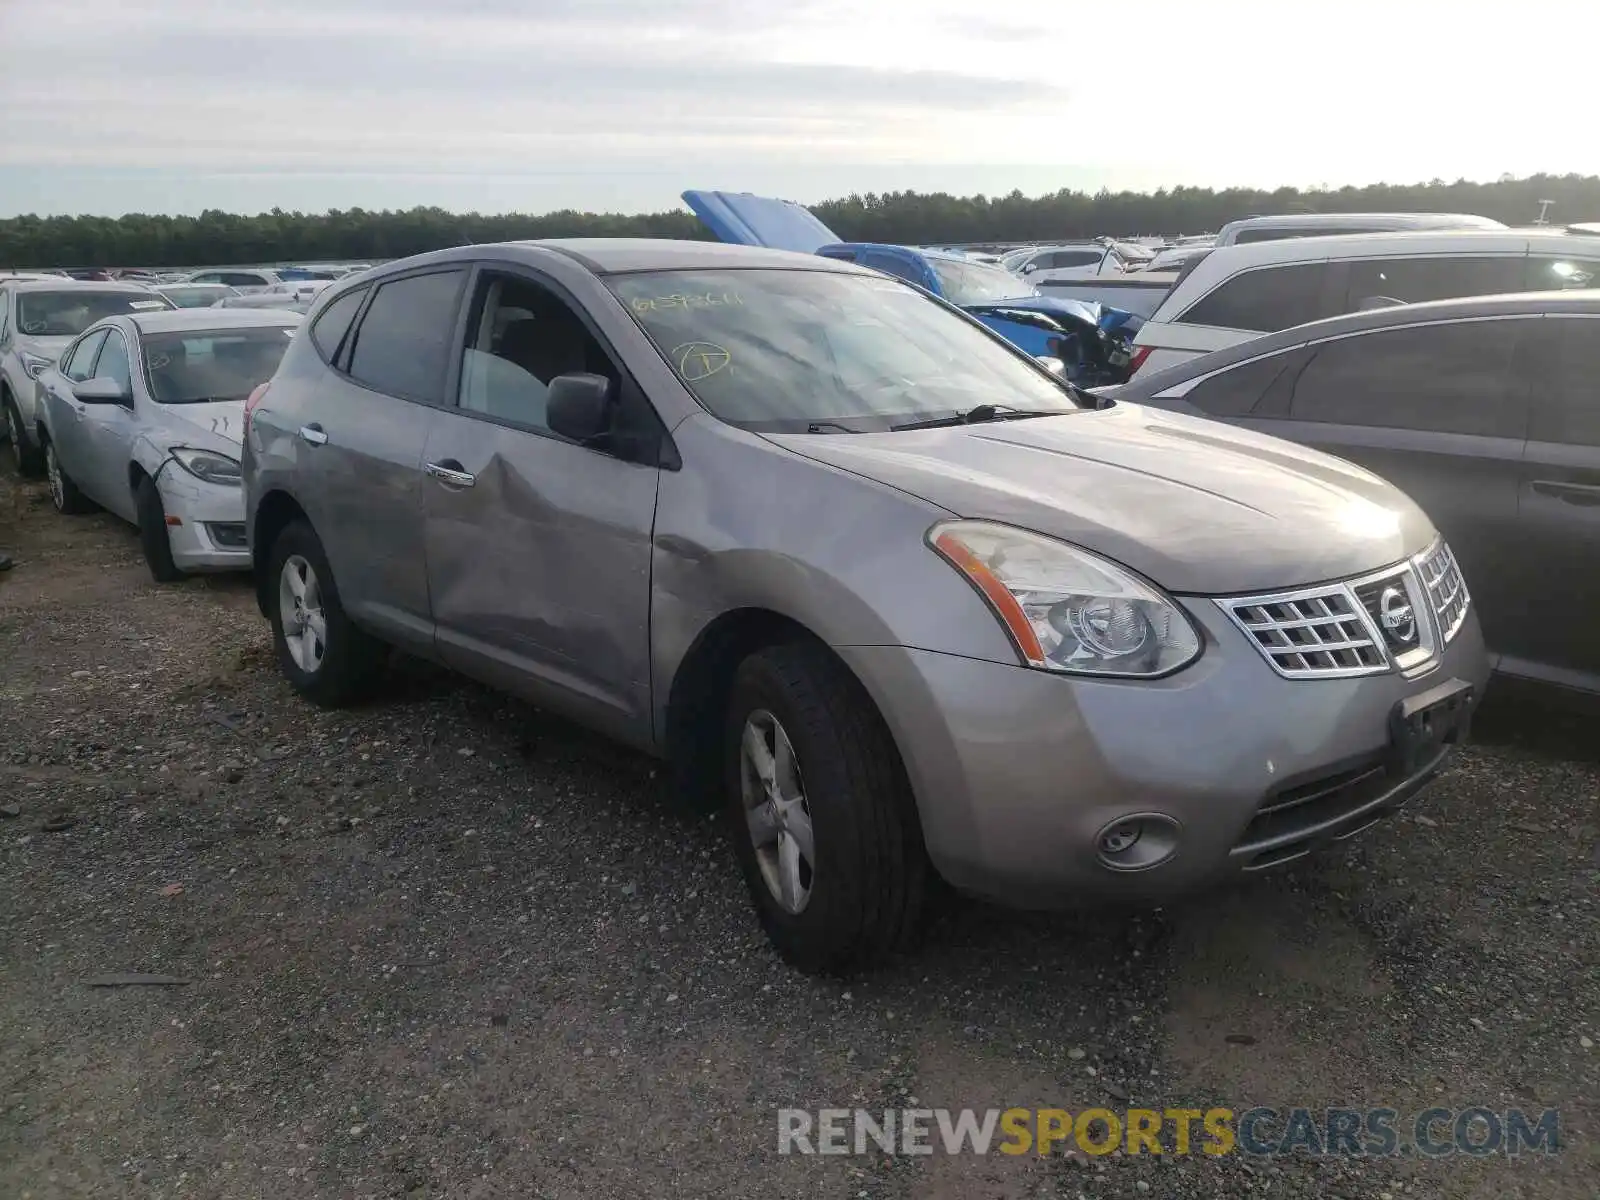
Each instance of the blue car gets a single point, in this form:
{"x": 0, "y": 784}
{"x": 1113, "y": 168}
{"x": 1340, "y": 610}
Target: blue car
{"x": 1077, "y": 333}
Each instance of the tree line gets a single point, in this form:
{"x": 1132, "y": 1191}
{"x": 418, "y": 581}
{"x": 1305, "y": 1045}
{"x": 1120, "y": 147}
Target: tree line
{"x": 217, "y": 238}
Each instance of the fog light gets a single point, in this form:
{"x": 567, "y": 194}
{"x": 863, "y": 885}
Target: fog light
{"x": 1138, "y": 842}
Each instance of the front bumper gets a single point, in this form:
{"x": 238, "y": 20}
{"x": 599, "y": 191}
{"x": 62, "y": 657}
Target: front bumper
{"x": 209, "y": 533}
{"x": 1017, "y": 772}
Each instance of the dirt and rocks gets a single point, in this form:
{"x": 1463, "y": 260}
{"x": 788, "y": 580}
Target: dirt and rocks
{"x": 446, "y": 946}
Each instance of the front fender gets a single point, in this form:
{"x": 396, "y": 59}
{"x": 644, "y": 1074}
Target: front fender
{"x": 147, "y": 456}
{"x": 751, "y": 525}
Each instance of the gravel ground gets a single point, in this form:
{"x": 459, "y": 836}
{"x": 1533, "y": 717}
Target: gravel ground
{"x": 446, "y": 946}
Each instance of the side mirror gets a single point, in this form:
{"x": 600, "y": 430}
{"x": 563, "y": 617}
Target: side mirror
{"x": 578, "y": 406}
{"x": 1030, "y": 268}
{"x": 102, "y": 390}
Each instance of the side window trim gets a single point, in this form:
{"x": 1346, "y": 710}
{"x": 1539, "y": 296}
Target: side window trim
{"x": 88, "y": 336}
{"x": 353, "y": 334}
{"x": 113, "y": 332}
{"x": 336, "y": 359}
{"x": 629, "y": 391}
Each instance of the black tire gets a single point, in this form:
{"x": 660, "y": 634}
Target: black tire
{"x": 29, "y": 460}
{"x": 870, "y": 878}
{"x": 352, "y": 660}
{"x": 64, "y": 494}
{"x": 153, "y": 538}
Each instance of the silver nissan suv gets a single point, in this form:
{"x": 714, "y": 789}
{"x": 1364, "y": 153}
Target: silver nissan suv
{"x": 899, "y": 598}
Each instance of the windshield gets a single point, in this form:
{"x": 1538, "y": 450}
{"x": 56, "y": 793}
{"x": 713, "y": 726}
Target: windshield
{"x": 977, "y": 283}
{"x": 217, "y": 364}
{"x": 67, "y": 314}
{"x": 200, "y": 295}
{"x": 782, "y": 351}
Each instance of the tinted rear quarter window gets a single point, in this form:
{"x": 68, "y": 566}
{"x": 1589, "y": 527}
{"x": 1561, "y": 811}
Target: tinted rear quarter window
{"x": 334, "y": 322}
{"x": 1446, "y": 378}
{"x": 1433, "y": 277}
{"x": 1264, "y": 300}
{"x": 1568, "y": 411}
{"x": 1236, "y": 391}
{"x": 403, "y": 343}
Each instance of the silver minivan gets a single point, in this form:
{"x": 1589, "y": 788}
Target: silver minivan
{"x": 900, "y": 598}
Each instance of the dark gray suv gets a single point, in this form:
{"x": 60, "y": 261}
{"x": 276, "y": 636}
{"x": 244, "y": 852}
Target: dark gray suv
{"x": 1486, "y": 411}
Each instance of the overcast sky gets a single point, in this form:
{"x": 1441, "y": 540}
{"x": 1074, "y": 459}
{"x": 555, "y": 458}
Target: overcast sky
{"x": 177, "y": 105}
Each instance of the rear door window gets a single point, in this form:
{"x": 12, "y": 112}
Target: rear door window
{"x": 403, "y": 344}
{"x": 1376, "y": 281}
{"x": 1568, "y": 410}
{"x": 891, "y": 264}
{"x": 1264, "y": 300}
{"x": 1072, "y": 258}
{"x": 1448, "y": 378}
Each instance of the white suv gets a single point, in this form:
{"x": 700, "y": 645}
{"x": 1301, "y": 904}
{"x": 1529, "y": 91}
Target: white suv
{"x": 1242, "y": 291}
{"x": 1083, "y": 260}
{"x": 1299, "y": 225}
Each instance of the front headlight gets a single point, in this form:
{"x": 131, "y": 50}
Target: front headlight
{"x": 1067, "y": 609}
{"x": 207, "y": 465}
{"x": 34, "y": 364}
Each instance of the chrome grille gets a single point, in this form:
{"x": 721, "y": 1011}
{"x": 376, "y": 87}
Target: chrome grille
{"x": 1313, "y": 633}
{"x": 1447, "y": 589}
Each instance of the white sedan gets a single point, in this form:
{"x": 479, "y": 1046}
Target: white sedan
{"x": 142, "y": 416}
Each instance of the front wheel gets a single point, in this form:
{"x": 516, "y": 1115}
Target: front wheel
{"x": 29, "y": 461}
{"x": 824, "y": 821}
{"x": 320, "y": 650}
{"x": 153, "y": 536}
{"x": 64, "y": 494}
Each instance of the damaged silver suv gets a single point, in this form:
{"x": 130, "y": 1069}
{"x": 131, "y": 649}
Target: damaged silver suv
{"x": 899, "y": 598}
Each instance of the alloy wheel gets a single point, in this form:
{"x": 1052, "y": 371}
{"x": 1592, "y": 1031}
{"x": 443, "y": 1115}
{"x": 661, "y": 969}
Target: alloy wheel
{"x": 14, "y": 433}
{"x": 775, "y": 810}
{"x": 305, "y": 628}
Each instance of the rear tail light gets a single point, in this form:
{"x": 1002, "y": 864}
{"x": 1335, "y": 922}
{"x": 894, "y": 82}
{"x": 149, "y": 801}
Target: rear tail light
{"x": 1140, "y": 354}
{"x": 250, "y": 404}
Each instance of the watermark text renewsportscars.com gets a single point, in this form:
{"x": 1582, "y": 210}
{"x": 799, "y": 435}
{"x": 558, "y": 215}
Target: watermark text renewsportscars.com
{"x": 1474, "y": 1131}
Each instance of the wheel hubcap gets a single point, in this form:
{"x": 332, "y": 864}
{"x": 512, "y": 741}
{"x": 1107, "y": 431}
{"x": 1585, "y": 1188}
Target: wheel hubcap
{"x": 58, "y": 491}
{"x": 305, "y": 629}
{"x": 775, "y": 810}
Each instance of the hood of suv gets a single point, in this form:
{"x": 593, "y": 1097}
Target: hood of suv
{"x": 1198, "y": 507}
{"x": 47, "y": 347}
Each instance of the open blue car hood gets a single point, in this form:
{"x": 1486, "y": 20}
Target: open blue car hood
{"x": 746, "y": 220}
{"x": 1050, "y": 306}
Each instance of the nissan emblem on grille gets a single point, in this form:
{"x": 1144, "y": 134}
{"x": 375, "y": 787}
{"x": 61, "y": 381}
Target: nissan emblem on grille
{"x": 1398, "y": 618}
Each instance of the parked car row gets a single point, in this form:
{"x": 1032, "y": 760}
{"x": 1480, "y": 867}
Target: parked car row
{"x": 860, "y": 566}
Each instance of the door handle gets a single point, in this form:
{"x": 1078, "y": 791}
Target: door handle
{"x": 312, "y": 435}
{"x": 449, "y": 472}
{"x": 1585, "y": 495}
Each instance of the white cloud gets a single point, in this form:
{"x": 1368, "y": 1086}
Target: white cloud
{"x": 1231, "y": 91}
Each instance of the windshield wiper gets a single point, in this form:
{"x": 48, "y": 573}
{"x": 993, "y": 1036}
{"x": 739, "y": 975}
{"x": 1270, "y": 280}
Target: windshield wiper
{"x": 826, "y": 426}
{"x": 977, "y": 415}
